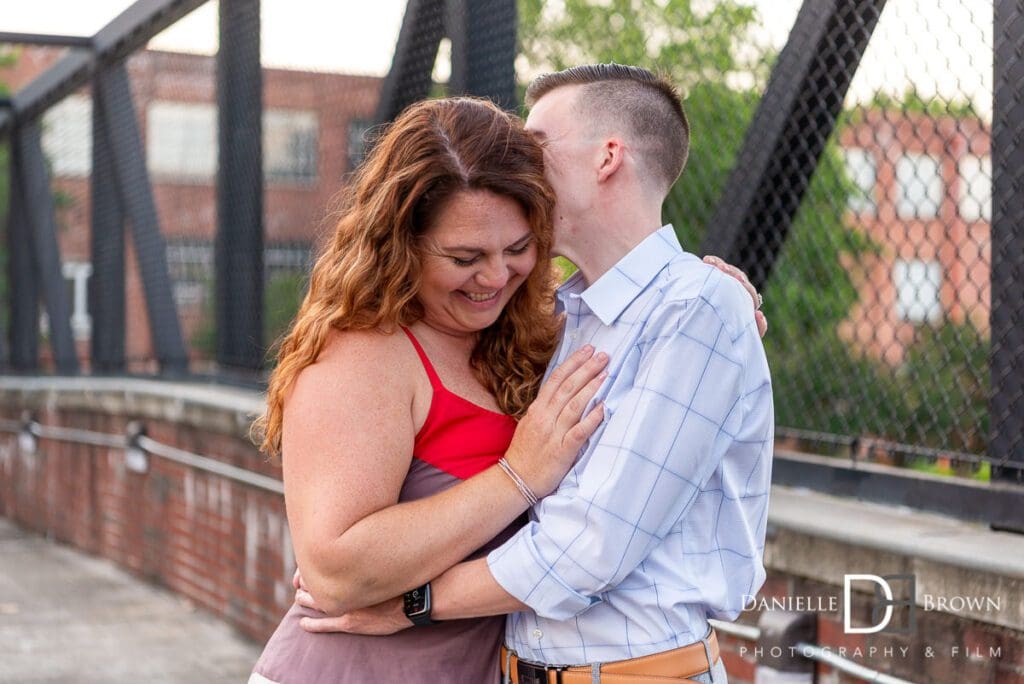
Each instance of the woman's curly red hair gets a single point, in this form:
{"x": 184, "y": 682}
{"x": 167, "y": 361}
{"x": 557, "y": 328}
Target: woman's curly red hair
{"x": 368, "y": 276}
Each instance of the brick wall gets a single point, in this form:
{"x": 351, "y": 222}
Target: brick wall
{"x": 223, "y": 545}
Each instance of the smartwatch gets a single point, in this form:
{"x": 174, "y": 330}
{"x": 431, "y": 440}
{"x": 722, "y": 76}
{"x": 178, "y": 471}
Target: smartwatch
{"x": 417, "y": 605}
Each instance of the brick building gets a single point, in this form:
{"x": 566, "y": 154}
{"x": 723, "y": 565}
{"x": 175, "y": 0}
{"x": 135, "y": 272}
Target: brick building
{"x": 924, "y": 196}
{"x": 312, "y": 137}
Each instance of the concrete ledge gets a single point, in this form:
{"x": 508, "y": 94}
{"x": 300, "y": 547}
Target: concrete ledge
{"x": 999, "y": 503}
{"x": 823, "y": 537}
{"x": 224, "y": 410}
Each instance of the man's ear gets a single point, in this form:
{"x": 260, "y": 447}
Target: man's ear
{"x": 611, "y": 159}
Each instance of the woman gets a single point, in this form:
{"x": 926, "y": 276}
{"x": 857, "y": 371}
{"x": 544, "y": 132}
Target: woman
{"x": 424, "y": 335}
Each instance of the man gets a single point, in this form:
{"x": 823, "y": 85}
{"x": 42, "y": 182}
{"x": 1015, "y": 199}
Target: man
{"x": 660, "y": 525}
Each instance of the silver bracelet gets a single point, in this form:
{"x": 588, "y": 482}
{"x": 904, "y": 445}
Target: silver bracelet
{"x": 521, "y": 485}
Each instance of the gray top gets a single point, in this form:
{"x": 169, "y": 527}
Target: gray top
{"x": 454, "y": 651}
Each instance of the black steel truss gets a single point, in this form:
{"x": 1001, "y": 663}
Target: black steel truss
{"x": 794, "y": 119}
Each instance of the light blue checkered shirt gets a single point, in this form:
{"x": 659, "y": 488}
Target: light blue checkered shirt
{"x": 661, "y": 523}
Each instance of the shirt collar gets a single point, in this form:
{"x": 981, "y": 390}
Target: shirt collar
{"x": 610, "y": 294}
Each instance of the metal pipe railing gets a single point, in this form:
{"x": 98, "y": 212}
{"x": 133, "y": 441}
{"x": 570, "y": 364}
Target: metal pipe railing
{"x": 209, "y": 465}
{"x": 740, "y": 631}
{"x": 77, "y": 436}
{"x": 150, "y": 446}
{"x": 836, "y": 662}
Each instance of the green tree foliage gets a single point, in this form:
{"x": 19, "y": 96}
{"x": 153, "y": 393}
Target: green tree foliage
{"x": 282, "y": 298}
{"x": 820, "y": 383}
{"x": 690, "y": 42}
{"x": 913, "y": 102}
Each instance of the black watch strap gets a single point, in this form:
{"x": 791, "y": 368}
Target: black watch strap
{"x": 417, "y": 605}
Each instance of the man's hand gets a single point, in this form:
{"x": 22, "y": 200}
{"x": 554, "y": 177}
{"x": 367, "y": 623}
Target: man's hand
{"x": 728, "y": 269}
{"x": 379, "y": 620}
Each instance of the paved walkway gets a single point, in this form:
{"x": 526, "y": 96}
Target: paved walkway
{"x": 68, "y": 617}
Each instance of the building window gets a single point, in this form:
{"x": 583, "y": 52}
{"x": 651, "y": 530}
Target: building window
{"x": 181, "y": 140}
{"x": 182, "y": 143}
{"x": 862, "y": 170}
{"x": 290, "y": 145}
{"x": 975, "y": 201}
{"x": 357, "y": 147}
{"x": 67, "y": 136}
{"x": 919, "y": 186}
{"x": 190, "y": 264}
{"x": 917, "y": 290}
{"x": 287, "y": 259}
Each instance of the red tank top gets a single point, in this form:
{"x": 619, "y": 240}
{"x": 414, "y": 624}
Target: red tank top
{"x": 459, "y": 437}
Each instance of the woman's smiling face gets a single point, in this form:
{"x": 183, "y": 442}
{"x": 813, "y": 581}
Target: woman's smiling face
{"x": 477, "y": 252}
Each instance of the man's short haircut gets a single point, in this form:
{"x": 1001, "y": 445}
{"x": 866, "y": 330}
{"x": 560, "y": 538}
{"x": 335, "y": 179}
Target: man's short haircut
{"x": 645, "y": 102}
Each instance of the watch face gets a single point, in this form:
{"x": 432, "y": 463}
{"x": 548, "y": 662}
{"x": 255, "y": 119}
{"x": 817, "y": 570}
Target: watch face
{"x": 415, "y": 601}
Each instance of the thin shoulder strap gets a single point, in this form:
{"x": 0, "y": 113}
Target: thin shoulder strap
{"x": 435, "y": 381}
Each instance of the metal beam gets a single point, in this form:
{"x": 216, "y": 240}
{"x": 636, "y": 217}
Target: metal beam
{"x": 128, "y": 32}
{"x": 5, "y": 205}
{"x": 136, "y": 198}
{"x": 106, "y": 286}
{"x": 6, "y": 121}
{"x": 483, "y": 35}
{"x": 239, "y": 246}
{"x": 125, "y": 34}
{"x": 32, "y": 184}
{"x": 409, "y": 79}
{"x": 45, "y": 39}
{"x": 787, "y": 136}
{"x": 1006, "y": 407}
{"x": 67, "y": 75}
{"x": 22, "y": 290}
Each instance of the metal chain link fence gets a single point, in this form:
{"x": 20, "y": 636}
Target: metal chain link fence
{"x": 879, "y": 291}
{"x": 880, "y": 297}
{"x": 897, "y": 357}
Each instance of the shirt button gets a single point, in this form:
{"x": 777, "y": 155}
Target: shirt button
{"x": 537, "y": 634}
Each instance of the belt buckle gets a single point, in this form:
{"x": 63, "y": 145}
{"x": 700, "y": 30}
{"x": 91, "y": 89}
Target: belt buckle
{"x": 529, "y": 673}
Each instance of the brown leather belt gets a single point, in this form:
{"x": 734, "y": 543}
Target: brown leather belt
{"x": 667, "y": 667}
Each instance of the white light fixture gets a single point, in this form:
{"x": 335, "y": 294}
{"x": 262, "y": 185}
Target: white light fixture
{"x": 136, "y": 459}
{"x": 26, "y": 440}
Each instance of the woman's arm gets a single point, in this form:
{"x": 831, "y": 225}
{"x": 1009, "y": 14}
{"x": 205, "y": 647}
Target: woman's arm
{"x": 347, "y": 443}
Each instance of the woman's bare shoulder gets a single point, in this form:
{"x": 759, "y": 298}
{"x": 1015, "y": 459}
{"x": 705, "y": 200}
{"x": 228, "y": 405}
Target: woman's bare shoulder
{"x": 369, "y": 345}
{"x": 353, "y": 358}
